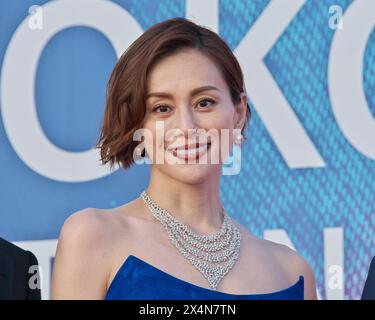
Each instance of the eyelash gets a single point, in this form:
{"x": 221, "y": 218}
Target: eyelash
{"x": 164, "y": 105}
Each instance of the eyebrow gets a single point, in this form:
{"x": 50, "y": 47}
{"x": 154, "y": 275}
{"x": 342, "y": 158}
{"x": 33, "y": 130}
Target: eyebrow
{"x": 192, "y": 93}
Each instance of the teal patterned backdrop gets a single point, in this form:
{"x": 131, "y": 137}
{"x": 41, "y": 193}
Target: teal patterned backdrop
{"x": 266, "y": 195}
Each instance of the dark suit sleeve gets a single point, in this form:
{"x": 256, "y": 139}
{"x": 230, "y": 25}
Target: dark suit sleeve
{"x": 33, "y": 293}
{"x": 369, "y": 289}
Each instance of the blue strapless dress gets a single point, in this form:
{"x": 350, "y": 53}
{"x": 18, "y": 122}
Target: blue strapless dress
{"x": 139, "y": 280}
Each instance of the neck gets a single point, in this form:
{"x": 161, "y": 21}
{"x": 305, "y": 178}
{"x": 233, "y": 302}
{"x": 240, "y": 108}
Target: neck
{"x": 197, "y": 205}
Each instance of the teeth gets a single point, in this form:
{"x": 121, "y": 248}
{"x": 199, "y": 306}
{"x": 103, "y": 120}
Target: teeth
{"x": 190, "y": 152}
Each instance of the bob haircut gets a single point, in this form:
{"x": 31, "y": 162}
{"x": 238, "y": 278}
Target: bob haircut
{"x": 126, "y": 89}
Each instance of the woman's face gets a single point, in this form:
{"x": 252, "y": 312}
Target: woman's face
{"x": 174, "y": 102}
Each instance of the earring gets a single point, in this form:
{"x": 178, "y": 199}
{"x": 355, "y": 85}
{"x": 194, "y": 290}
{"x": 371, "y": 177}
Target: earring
{"x": 138, "y": 151}
{"x": 137, "y": 156}
{"x": 239, "y": 139}
{"x": 235, "y": 159}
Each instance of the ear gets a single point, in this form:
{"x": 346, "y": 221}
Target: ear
{"x": 240, "y": 112}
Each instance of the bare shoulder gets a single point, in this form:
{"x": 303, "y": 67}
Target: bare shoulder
{"x": 92, "y": 223}
{"x": 91, "y": 242}
{"x": 97, "y": 229}
{"x": 89, "y": 227}
{"x": 295, "y": 265}
{"x": 286, "y": 260}
{"x": 82, "y": 257}
{"x": 84, "y": 224}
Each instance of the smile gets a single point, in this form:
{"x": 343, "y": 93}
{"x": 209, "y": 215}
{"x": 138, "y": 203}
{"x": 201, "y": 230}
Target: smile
{"x": 194, "y": 152}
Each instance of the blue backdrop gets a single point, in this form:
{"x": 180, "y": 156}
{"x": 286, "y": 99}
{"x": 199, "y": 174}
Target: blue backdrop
{"x": 268, "y": 194}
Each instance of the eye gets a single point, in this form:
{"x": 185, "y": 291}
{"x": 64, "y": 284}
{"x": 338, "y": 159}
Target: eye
{"x": 206, "y": 100}
{"x": 162, "y": 106}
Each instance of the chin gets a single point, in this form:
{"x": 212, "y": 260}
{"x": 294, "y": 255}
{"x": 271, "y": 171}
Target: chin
{"x": 189, "y": 173}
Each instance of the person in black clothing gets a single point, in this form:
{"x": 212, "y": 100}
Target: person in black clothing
{"x": 369, "y": 288}
{"x": 19, "y": 276}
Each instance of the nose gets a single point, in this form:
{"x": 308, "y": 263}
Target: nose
{"x": 185, "y": 120}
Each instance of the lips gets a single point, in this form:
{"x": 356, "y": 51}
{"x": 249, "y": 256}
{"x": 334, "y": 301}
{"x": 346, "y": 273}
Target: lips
{"x": 194, "y": 150}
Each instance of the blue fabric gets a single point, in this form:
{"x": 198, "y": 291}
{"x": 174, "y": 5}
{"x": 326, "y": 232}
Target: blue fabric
{"x": 138, "y": 280}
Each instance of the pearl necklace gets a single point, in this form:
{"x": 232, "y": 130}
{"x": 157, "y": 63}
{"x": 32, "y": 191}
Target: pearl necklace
{"x": 213, "y": 255}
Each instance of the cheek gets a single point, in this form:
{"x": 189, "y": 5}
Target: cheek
{"x": 154, "y": 140}
{"x": 224, "y": 126}
{"x": 149, "y": 136}
{"x": 223, "y": 140}
{"x": 224, "y": 118}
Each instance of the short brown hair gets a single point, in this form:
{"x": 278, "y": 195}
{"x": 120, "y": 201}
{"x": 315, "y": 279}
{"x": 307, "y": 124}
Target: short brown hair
{"x": 126, "y": 89}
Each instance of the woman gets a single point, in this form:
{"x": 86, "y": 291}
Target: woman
{"x": 178, "y": 78}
